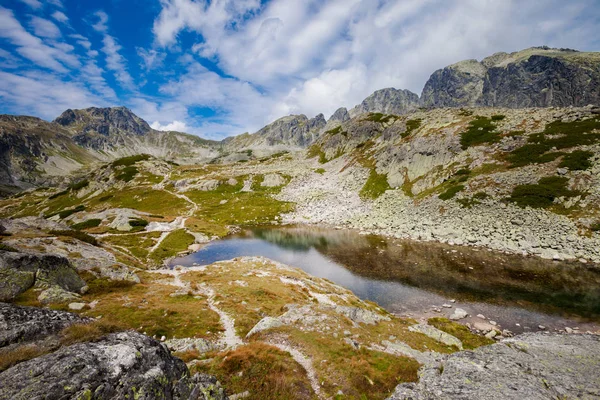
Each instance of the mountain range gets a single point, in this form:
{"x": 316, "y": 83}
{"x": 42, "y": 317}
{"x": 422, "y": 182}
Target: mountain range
{"x": 36, "y": 152}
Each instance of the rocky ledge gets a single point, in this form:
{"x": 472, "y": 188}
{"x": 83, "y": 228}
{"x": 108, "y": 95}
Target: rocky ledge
{"x": 529, "y": 366}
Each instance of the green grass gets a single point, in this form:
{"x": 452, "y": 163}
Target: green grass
{"x": 375, "y": 185}
{"x": 320, "y": 171}
{"x": 66, "y": 213}
{"x": 84, "y": 237}
{"x": 451, "y": 192}
{"x": 176, "y": 242}
{"x": 316, "y": 151}
{"x": 336, "y": 130}
{"x": 148, "y": 200}
{"x": 90, "y": 223}
{"x": 542, "y": 194}
{"x": 469, "y": 340}
{"x": 578, "y": 160}
{"x": 411, "y": 126}
{"x": 57, "y": 195}
{"x": 128, "y": 161}
{"x": 480, "y": 130}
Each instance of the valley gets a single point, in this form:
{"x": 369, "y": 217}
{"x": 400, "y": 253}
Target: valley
{"x": 378, "y": 253}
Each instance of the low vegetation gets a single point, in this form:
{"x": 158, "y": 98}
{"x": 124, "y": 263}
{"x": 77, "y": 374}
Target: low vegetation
{"x": 543, "y": 147}
{"x": 469, "y": 340}
{"x": 451, "y": 192}
{"x": 316, "y": 151}
{"x": 127, "y": 174}
{"x": 84, "y": 237}
{"x": 131, "y": 160}
{"x": 481, "y": 130}
{"x": 578, "y": 160}
{"x": 375, "y": 185}
{"x": 263, "y": 370}
{"x": 66, "y": 213}
{"x": 542, "y": 194}
{"x": 381, "y": 118}
{"x": 90, "y": 223}
{"x": 411, "y": 126}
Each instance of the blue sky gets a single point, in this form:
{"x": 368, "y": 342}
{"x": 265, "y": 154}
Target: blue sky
{"x": 219, "y": 68}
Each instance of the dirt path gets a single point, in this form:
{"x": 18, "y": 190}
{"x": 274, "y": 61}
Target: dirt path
{"x": 230, "y": 338}
{"x": 305, "y": 362}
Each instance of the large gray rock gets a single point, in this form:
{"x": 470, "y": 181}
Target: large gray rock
{"x": 122, "y": 365}
{"x": 388, "y": 101}
{"x": 535, "y": 77}
{"x": 20, "y": 271}
{"x": 530, "y": 366}
{"x": 23, "y": 324}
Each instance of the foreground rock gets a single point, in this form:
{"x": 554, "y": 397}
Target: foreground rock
{"x": 119, "y": 365}
{"x": 531, "y": 366}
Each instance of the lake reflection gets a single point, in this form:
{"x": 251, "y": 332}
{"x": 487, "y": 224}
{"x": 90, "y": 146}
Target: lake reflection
{"x": 410, "y": 277}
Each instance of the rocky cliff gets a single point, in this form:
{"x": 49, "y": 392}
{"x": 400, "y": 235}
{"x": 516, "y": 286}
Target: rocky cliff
{"x": 535, "y": 77}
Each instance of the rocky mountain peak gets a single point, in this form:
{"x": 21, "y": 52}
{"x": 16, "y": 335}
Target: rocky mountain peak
{"x": 340, "y": 115}
{"x": 388, "y": 101}
{"x": 103, "y": 121}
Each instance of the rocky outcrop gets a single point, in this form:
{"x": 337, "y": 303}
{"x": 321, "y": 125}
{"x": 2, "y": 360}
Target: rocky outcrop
{"x": 117, "y": 366}
{"x": 21, "y": 271}
{"x": 340, "y": 115}
{"x": 102, "y": 121}
{"x": 388, "y": 101}
{"x": 530, "y": 366}
{"x": 24, "y": 324}
{"x": 535, "y": 77}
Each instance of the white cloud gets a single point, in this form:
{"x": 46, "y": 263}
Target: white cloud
{"x": 177, "y": 126}
{"x": 44, "y": 28}
{"x": 32, "y": 47}
{"x": 116, "y": 62}
{"x": 151, "y": 58}
{"x": 101, "y": 25}
{"x": 35, "y": 4}
{"x": 60, "y": 17}
{"x": 57, "y": 3}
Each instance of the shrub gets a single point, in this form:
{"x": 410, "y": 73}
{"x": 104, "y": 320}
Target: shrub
{"x": 595, "y": 227}
{"x": 451, "y": 192}
{"x": 379, "y": 117}
{"x": 481, "y": 195}
{"x": 104, "y": 198}
{"x": 577, "y": 161}
{"x": 57, "y": 195}
{"x": 66, "y": 213}
{"x": 138, "y": 222}
{"x": 90, "y": 223}
{"x": 127, "y": 174}
{"x": 128, "y": 161}
{"x": 79, "y": 185}
{"x": 481, "y": 130}
{"x": 498, "y": 117}
{"x": 542, "y": 194}
{"x": 84, "y": 237}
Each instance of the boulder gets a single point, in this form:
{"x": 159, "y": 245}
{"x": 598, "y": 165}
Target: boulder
{"x": 273, "y": 180}
{"x": 56, "y": 294}
{"x": 264, "y": 324}
{"x": 360, "y": 315}
{"x": 458, "y": 313}
{"x": 436, "y": 334}
{"x": 21, "y": 271}
{"x": 121, "y": 365}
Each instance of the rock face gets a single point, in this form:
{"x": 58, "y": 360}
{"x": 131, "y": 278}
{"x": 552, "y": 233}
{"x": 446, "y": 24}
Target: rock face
{"x": 20, "y": 271}
{"x": 388, "y": 101}
{"x": 535, "y": 77}
{"x": 294, "y": 131}
{"x": 120, "y": 365}
{"x": 530, "y": 366}
{"x": 102, "y": 121}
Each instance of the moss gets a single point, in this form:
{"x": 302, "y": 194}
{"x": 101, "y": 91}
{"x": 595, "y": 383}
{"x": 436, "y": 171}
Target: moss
{"x": 480, "y": 130}
{"x": 379, "y": 117}
{"x": 90, "y": 223}
{"x": 595, "y": 227}
{"x": 542, "y": 194}
{"x": 127, "y": 174}
{"x": 451, "y": 192}
{"x": 469, "y": 340}
{"x": 577, "y": 161}
{"x": 5, "y": 247}
{"x": 79, "y": 185}
{"x": 375, "y": 185}
{"x": 320, "y": 171}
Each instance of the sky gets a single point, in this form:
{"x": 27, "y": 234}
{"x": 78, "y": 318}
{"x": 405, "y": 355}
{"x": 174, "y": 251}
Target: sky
{"x": 224, "y": 67}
